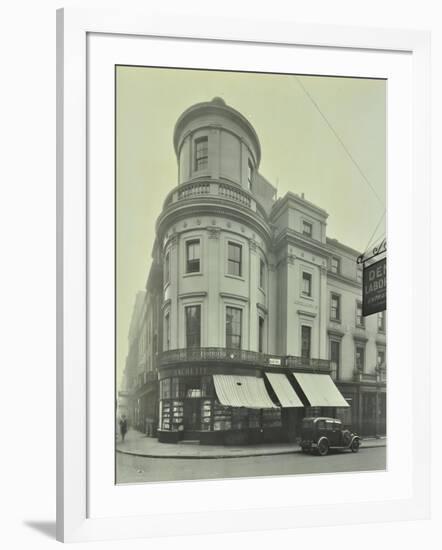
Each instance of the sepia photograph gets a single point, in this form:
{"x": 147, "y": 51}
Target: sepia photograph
{"x": 250, "y": 274}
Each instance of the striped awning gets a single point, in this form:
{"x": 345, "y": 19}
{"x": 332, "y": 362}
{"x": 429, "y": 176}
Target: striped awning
{"x": 242, "y": 391}
{"x": 320, "y": 390}
{"x": 284, "y": 391}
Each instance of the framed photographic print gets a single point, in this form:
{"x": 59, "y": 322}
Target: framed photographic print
{"x": 225, "y": 200}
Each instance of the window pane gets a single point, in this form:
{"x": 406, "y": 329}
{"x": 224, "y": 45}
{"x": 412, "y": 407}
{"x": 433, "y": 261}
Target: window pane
{"x": 250, "y": 173}
{"x": 201, "y": 153}
{"x": 307, "y": 229}
{"x": 335, "y": 356}
{"x": 261, "y": 335}
{"x": 359, "y": 317}
{"x": 193, "y": 256}
{"x": 305, "y": 341}
{"x": 261, "y": 273}
{"x": 233, "y": 328}
{"x": 306, "y": 284}
{"x": 193, "y": 326}
{"x": 335, "y": 265}
{"x": 167, "y": 331}
{"x": 360, "y": 358}
{"x": 234, "y": 259}
{"x": 335, "y": 307}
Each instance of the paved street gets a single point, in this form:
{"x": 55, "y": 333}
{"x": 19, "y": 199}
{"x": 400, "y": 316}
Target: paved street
{"x": 138, "y": 469}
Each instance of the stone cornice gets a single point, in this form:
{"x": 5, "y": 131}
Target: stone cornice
{"x": 231, "y": 296}
{"x": 336, "y": 332}
{"x": 294, "y": 238}
{"x": 212, "y": 206}
{"x": 195, "y": 294}
{"x": 306, "y": 313}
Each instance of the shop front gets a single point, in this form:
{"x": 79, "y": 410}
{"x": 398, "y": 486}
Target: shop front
{"x": 240, "y": 409}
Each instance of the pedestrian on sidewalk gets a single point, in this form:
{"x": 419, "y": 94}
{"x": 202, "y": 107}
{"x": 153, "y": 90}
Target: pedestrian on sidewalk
{"x": 123, "y": 426}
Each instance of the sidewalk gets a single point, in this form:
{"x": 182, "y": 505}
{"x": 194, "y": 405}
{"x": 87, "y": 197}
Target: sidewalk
{"x": 137, "y": 444}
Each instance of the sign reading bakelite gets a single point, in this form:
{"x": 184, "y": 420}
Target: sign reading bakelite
{"x": 374, "y": 293}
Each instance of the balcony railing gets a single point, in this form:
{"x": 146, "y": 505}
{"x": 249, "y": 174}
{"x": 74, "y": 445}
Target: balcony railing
{"x": 212, "y": 354}
{"x": 305, "y": 363}
{"x": 380, "y": 375}
{"x": 222, "y": 189}
{"x": 227, "y": 355}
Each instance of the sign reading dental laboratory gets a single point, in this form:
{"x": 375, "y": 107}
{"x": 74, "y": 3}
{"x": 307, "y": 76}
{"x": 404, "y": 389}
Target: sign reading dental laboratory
{"x": 374, "y": 291}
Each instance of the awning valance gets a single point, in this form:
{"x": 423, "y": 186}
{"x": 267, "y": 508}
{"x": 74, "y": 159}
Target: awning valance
{"x": 320, "y": 390}
{"x": 284, "y": 391}
{"x": 242, "y": 391}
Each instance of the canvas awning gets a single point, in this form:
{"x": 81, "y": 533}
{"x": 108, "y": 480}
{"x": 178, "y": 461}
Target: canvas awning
{"x": 320, "y": 390}
{"x": 284, "y": 391}
{"x": 242, "y": 391}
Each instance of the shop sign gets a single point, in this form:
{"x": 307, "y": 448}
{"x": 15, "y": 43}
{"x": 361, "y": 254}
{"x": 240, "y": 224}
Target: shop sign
{"x": 374, "y": 289}
{"x": 274, "y": 361}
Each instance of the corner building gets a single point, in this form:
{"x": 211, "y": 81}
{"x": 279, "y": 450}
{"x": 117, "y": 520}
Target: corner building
{"x": 260, "y": 319}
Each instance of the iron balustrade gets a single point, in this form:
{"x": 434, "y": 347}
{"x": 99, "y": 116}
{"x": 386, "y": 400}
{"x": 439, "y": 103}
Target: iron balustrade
{"x": 307, "y": 363}
{"x": 226, "y": 355}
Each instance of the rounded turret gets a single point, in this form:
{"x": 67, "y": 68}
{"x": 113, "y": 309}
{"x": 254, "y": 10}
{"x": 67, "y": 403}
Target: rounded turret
{"x": 214, "y": 141}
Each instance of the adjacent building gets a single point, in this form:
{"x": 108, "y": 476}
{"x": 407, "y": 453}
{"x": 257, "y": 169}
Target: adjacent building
{"x": 252, "y": 316}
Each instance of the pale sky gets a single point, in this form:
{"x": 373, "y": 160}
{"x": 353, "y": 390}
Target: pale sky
{"x": 300, "y": 153}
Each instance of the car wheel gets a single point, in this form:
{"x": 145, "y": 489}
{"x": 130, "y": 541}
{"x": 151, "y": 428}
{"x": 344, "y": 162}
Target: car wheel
{"x": 355, "y": 446}
{"x": 323, "y": 447}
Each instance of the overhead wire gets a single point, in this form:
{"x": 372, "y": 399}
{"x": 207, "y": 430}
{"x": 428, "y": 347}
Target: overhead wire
{"x": 347, "y": 151}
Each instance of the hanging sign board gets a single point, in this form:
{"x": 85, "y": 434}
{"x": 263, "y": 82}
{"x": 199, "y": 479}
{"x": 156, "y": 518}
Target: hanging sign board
{"x": 374, "y": 290}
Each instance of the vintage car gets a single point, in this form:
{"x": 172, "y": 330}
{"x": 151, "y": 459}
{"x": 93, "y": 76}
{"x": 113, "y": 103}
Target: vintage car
{"x": 320, "y": 434}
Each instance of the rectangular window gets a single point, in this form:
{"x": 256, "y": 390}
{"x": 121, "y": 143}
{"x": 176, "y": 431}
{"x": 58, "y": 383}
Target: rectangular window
{"x": 260, "y": 334}
{"x": 306, "y": 335}
{"x": 335, "y": 265}
{"x": 193, "y": 326}
{"x": 167, "y": 268}
{"x": 167, "y": 331}
{"x": 381, "y": 358}
{"x": 250, "y": 174}
{"x": 335, "y": 307}
{"x": 360, "y": 321}
{"x": 193, "y": 256}
{"x": 307, "y": 229}
{"x": 201, "y": 153}
{"x": 381, "y": 321}
{"x": 234, "y": 262}
{"x": 233, "y": 328}
{"x": 306, "y": 284}
{"x": 262, "y": 272}
{"x": 360, "y": 357}
{"x": 335, "y": 356}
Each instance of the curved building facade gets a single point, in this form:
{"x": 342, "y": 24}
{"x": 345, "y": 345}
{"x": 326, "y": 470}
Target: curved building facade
{"x": 249, "y": 312}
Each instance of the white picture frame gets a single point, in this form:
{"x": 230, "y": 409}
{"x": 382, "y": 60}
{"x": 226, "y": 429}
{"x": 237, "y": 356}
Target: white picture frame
{"x": 82, "y": 517}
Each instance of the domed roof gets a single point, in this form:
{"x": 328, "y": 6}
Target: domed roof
{"x": 218, "y": 106}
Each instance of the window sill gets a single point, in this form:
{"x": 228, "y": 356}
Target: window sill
{"x": 307, "y": 297}
{"x": 337, "y": 321}
{"x": 195, "y": 274}
{"x": 237, "y": 277}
